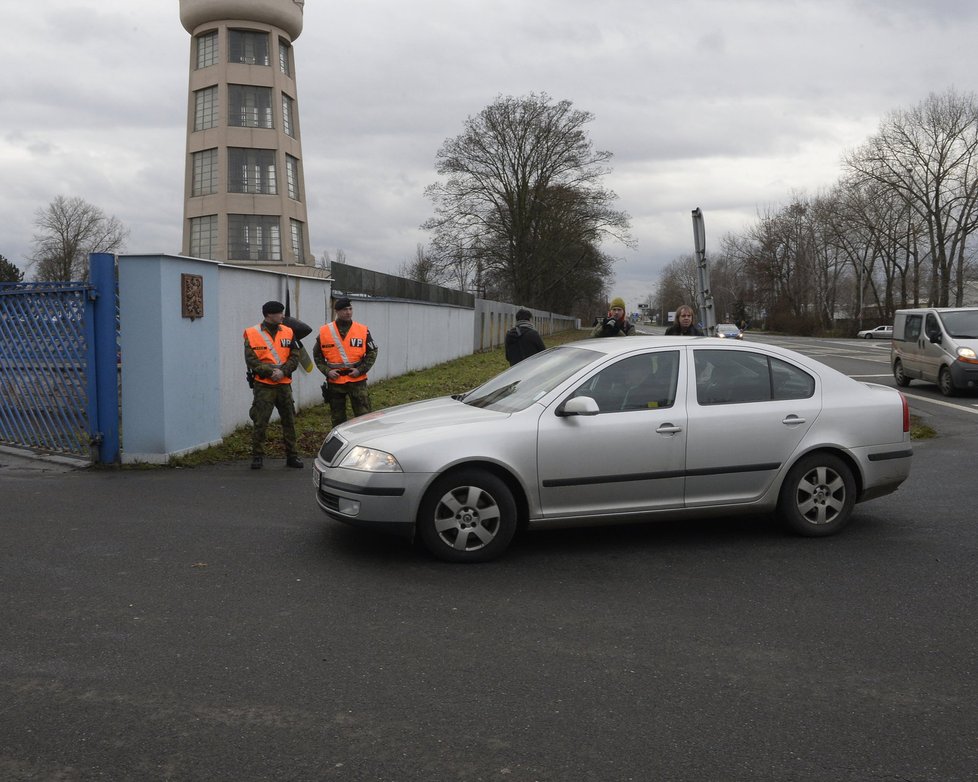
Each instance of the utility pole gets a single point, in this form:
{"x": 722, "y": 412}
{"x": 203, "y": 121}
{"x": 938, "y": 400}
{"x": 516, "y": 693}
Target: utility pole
{"x": 703, "y": 295}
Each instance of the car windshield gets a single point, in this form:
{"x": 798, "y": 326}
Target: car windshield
{"x": 524, "y": 383}
{"x": 961, "y": 324}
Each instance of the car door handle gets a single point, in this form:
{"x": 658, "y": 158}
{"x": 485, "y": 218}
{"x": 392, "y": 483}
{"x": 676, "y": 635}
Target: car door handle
{"x": 792, "y": 420}
{"x": 668, "y": 429}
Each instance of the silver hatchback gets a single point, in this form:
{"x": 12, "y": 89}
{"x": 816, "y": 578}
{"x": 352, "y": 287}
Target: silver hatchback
{"x": 607, "y": 431}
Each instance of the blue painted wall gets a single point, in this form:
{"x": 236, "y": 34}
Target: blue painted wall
{"x": 170, "y": 380}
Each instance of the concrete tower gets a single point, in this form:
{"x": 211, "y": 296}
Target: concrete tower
{"x": 244, "y": 199}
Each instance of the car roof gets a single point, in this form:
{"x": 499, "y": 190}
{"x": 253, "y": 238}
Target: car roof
{"x": 934, "y": 309}
{"x": 614, "y": 346}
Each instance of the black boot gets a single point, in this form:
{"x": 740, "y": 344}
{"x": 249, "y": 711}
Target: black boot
{"x": 256, "y": 462}
{"x": 294, "y": 461}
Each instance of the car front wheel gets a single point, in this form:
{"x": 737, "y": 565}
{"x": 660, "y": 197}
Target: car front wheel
{"x": 817, "y": 496}
{"x": 467, "y": 516}
{"x": 945, "y": 383}
{"x": 901, "y": 379}
{"x": 867, "y": 336}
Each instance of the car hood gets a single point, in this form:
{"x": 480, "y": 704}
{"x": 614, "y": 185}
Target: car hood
{"x": 415, "y": 417}
{"x": 965, "y": 343}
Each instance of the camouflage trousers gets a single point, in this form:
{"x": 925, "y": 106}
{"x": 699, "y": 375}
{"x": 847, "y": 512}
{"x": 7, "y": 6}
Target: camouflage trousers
{"x": 269, "y": 398}
{"x": 336, "y": 394}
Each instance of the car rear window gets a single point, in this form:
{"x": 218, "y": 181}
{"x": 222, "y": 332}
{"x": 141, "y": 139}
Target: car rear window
{"x": 725, "y": 377}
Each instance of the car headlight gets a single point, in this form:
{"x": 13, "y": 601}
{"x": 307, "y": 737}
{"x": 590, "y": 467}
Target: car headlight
{"x": 721, "y": 335}
{"x": 370, "y": 460}
{"x": 967, "y": 355}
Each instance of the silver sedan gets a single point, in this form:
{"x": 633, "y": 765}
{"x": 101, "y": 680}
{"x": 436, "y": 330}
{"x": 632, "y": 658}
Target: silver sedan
{"x": 880, "y": 332}
{"x": 606, "y": 431}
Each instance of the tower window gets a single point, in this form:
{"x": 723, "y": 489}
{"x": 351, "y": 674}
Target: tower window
{"x": 292, "y": 176}
{"x": 251, "y": 171}
{"x": 254, "y": 238}
{"x": 205, "y": 173}
{"x": 288, "y": 109}
{"x": 205, "y": 108}
{"x": 297, "y": 246}
{"x": 248, "y": 47}
{"x": 203, "y": 236}
{"x": 206, "y": 49}
{"x": 284, "y": 57}
{"x": 250, "y": 106}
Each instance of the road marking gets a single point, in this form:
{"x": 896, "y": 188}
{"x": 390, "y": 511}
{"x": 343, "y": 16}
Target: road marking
{"x": 941, "y": 402}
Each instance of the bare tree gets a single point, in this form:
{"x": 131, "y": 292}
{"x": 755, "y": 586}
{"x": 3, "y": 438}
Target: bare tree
{"x": 928, "y": 156}
{"x": 68, "y": 230}
{"x": 421, "y": 268}
{"x": 522, "y": 206}
{"x": 326, "y": 261}
{"x": 678, "y": 283}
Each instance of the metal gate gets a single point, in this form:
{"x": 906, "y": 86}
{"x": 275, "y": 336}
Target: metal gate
{"x": 50, "y": 365}
{"x": 44, "y": 361}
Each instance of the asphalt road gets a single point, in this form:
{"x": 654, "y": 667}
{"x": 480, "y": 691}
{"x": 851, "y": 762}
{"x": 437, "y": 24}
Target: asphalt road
{"x": 209, "y": 624}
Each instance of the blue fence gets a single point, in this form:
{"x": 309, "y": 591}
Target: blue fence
{"x": 57, "y": 340}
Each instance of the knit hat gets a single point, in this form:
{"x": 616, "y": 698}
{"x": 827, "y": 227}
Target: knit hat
{"x": 618, "y": 302}
{"x": 272, "y": 308}
{"x": 342, "y": 303}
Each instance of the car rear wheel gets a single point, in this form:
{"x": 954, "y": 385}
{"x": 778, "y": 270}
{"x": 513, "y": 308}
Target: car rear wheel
{"x": 945, "y": 383}
{"x": 467, "y": 516}
{"x": 901, "y": 379}
{"x": 817, "y": 496}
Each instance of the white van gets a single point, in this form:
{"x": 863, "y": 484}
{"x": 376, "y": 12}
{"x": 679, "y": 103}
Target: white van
{"x": 938, "y": 344}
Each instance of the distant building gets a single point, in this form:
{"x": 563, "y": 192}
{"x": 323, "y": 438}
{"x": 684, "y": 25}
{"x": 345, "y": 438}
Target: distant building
{"x": 245, "y": 198}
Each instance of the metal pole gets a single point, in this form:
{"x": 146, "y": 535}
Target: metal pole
{"x": 703, "y": 295}
{"x": 102, "y": 276}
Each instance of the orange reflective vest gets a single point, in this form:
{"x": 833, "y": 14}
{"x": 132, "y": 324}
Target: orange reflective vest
{"x": 343, "y": 353}
{"x": 270, "y": 350}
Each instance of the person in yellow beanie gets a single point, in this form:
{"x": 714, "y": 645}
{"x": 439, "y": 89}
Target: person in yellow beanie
{"x": 615, "y": 324}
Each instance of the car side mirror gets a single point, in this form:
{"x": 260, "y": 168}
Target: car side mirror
{"x": 579, "y": 405}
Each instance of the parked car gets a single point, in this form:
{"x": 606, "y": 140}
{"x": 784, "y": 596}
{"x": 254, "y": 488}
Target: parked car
{"x": 880, "y": 332}
{"x": 606, "y": 431}
{"x": 729, "y": 331}
{"x": 939, "y": 345}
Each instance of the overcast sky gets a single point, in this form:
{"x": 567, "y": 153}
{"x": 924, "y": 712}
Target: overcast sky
{"x": 726, "y": 105}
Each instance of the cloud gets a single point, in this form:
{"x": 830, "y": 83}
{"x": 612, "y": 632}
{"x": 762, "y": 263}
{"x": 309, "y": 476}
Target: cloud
{"x": 730, "y": 107}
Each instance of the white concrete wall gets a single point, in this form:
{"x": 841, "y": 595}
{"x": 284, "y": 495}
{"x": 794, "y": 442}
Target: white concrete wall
{"x": 413, "y": 335}
{"x": 494, "y": 318}
{"x": 183, "y": 381}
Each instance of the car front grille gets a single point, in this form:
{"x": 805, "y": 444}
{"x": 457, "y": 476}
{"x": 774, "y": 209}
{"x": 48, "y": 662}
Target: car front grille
{"x": 332, "y": 446}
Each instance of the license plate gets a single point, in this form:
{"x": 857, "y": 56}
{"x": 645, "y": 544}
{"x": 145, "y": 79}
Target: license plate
{"x": 316, "y": 476}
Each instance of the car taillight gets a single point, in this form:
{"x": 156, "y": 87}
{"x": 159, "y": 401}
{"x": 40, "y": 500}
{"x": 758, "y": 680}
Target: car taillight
{"x": 906, "y": 413}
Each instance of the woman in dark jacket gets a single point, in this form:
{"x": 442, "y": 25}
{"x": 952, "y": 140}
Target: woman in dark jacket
{"x": 683, "y": 325}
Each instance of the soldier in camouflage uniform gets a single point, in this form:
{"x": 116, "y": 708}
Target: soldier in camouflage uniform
{"x": 345, "y": 352}
{"x": 271, "y": 362}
